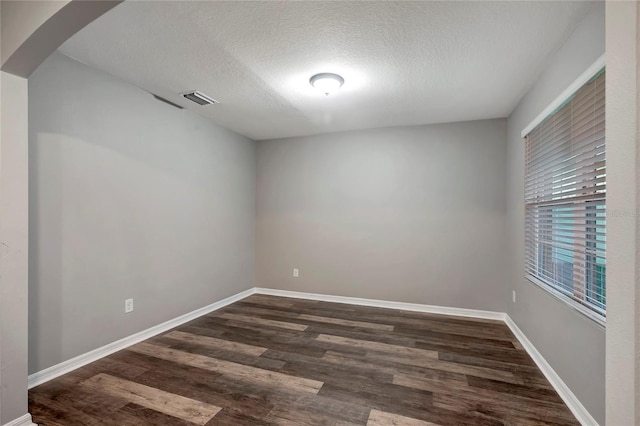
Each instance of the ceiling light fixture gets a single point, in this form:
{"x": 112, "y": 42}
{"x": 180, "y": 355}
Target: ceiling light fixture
{"x": 326, "y": 82}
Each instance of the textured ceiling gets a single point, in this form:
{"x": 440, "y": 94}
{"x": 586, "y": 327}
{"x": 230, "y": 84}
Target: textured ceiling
{"x": 404, "y": 63}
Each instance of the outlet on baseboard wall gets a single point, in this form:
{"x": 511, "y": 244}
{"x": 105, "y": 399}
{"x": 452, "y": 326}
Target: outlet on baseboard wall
{"x": 513, "y": 296}
{"x": 296, "y": 272}
{"x": 128, "y": 306}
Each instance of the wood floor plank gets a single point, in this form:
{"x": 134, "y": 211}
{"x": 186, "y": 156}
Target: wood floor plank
{"x": 503, "y": 406}
{"x": 62, "y": 416}
{"x": 156, "y": 364}
{"x": 324, "y": 370}
{"x": 222, "y": 329}
{"x": 509, "y": 414}
{"x": 512, "y": 356}
{"x": 235, "y": 417}
{"x": 380, "y": 418}
{"x": 262, "y": 321}
{"x": 422, "y": 368}
{"x": 269, "y": 300}
{"x": 206, "y": 388}
{"x": 69, "y": 407}
{"x": 380, "y": 336}
{"x": 515, "y": 389}
{"x": 216, "y": 343}
{"x": 434, "y": 333}
{"x": 447, "y": 366}
{"x": 430, "y": 335}
{"x": 394, "y": 368}
{"x": 317, "y": 322}
{"x": 315, "y": 410}
{"x": 269, "y": 339}
{"x": 239, "y": 371}
{"x": 382, "y": 397}
{"x": 470, "y": 329}
{"x": 469, "y": 359}
{"x": 246, "y": 309}
{"x": 398, "y": 317}
{"x": 350, "y": 323}
{"x": 280, "y": 361}
{"x": 221, "y": 354}
{"x": 142, "y": 416}
{"x": 377, "y": 346}
{"x": 164, "y": 402}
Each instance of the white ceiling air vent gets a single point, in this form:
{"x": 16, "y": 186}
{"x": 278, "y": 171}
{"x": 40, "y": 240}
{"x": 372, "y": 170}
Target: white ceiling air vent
{"x": 199, "y": 98}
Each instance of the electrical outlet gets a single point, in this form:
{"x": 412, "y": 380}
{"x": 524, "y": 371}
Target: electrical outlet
{"x": 128, "y": 306}
{"x": 514, "y": 296}
{"x": 296, "y": 272}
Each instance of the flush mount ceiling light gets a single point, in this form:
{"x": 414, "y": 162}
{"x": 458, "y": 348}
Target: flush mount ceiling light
{"x": 327, "y": 82}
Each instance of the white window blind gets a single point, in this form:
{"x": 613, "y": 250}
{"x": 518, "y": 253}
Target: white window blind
{"x": 565, "y": 188}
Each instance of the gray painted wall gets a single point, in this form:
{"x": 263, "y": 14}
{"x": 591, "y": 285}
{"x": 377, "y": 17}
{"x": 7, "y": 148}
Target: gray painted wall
{"x": 13, "y": 247}
{"x": 410, "y": 214}
{"x": 571, "y": 343}
{"x": 623, "y": 220}
{"x": 129, "y": 198}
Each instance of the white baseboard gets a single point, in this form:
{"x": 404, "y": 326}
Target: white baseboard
{"x": 558, "y": 384}
{"x": 442, "y": 310}
{"x": 57, "y": 370}
{"x": 21, "y": 421}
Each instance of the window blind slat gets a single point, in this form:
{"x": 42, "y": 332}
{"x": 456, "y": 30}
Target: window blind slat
{"x": 578, "y": 144}
{"x": 589, "y": 163}
{"x": 569, "y": 126}
{"x": 578, "y": 136}
{"x": 593, "y": 185}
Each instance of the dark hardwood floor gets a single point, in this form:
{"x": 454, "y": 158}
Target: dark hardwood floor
{"x": 280, "y": 361}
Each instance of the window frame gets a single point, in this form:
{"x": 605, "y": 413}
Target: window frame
{"x": 557, "y": 103}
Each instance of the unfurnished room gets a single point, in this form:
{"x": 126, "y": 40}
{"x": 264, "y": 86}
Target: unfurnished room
{"x": 319, "y": 213}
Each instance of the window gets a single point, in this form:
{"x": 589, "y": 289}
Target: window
{"x": 565, "y": 188}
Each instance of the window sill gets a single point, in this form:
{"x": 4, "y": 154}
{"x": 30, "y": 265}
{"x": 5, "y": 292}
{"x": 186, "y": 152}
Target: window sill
{"x": 598, "y": 319}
